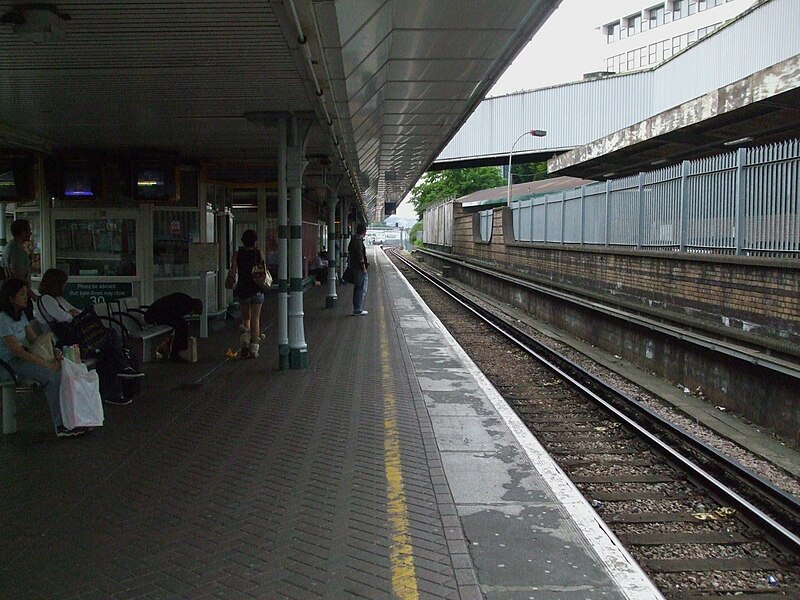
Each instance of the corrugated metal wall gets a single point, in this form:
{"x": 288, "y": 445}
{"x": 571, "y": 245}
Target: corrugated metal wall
{"x": 577, "y": 113}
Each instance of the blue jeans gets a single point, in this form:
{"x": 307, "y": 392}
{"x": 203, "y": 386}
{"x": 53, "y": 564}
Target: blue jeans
{"x": 360, "y": 285}
{"x": 49, "y": 379}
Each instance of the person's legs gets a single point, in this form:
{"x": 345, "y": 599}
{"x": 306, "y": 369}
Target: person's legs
{"x": 364, "y": 288}
{"x": 245, "y": 308}
{"x": 49, "y": 379}
{"x": 180, "y": 329}
{"x": 245, "y": 337}
{"x": 359, "y": 291}
{"x": 255, "y": 324}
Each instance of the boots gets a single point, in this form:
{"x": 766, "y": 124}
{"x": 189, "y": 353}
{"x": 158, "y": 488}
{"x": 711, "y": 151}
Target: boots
{"x": 244, "y": 340}
{"x": 253, "y": 350}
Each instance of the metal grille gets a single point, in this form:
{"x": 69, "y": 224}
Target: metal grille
{"x": 744, "y": 202}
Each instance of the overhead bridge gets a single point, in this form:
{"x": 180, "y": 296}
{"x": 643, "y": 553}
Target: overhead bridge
{"x": 718, "y": 94}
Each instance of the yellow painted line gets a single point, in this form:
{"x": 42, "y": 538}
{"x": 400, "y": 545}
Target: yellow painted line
{"x": 401, "y": 552}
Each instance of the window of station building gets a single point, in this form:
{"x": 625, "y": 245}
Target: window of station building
{"x": 96, "y": 247}
{"x": 692, "y": 7}
{"x": 678, "y": 9}
{"x": 173, "y": 231}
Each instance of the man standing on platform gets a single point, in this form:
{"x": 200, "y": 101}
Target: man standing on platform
{"x": 17, "y": 259}
{"x": 358, "y": 263}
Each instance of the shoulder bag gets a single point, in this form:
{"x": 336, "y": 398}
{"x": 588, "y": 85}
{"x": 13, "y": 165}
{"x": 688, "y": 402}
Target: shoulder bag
{"x": 65, "y": 335}
{"x": 261, "y": 276}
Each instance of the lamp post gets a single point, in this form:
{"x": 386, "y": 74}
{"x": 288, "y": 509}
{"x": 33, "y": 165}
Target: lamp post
{"x": 532, "y": 132}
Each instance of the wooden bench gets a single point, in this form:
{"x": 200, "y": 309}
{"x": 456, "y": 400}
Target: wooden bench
{"x": 128, "y": 318}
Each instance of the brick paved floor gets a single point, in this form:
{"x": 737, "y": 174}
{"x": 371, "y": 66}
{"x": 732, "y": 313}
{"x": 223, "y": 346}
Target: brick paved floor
{"x": 245, "y": 483}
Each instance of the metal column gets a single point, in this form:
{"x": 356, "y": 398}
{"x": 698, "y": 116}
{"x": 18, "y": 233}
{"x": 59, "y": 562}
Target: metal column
{"x": 283, "y": 253}
{"x": 345, "y": 233}
{"x": 333, "y": 200}
{"x": 298, "y": 350}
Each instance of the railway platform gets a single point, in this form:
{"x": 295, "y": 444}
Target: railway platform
{"x": 390, "y": 468}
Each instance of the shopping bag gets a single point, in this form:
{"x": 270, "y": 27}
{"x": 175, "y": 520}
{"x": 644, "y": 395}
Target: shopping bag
{"x": 79, "y": 395}
{"x": 43, "y": 346}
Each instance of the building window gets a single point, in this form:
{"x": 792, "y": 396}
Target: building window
{"x": 656, "y": 16}
{"x": 96, "y": 247}
{"x": 678, "y": 8}
{"x": 634, "y": 23}
{"x": 692, "y": 6}
{"x": 611, "y": 32}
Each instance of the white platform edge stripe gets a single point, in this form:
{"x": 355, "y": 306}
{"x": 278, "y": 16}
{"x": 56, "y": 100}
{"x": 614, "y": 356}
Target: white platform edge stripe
{"x": 622, "y": 567}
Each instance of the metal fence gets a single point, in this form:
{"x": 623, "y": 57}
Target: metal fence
{"x": 745, "y": 202}
{"x": 437, "y": 224}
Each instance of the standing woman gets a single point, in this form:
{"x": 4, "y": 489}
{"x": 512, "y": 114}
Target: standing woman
{"x": 248, "y": 294}
{"x": 14, "y": 331}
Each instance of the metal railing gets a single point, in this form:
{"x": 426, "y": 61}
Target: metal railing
{"x": 745, "y": 202}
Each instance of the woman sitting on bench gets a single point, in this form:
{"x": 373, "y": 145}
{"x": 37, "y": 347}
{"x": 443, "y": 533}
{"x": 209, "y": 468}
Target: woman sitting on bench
{"x": 16, "y": 331}
{"x": 112, "y": 364}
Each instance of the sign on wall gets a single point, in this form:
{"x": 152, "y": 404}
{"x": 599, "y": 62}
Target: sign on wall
{"x": 82, "y": 294}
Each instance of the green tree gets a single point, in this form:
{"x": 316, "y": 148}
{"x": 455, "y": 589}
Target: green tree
{"x": 453, "y": 183}
{"x": 415, "y": 235}
{"x": 526, "y": 172}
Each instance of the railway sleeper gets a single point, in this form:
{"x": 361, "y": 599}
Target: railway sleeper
{"x": 642, "y": 495}
{"x": 679, "y": 565}
{"x": 699, "y": 537}
{"x": 739, "y": 594}
{"x": 653, "y": 517}
{"x": 622, "y": 479}
{"x": 587, "y": 462}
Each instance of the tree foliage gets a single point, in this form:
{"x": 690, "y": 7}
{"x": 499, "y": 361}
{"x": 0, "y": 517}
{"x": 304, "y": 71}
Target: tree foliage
{"x": 526, "y": 172}
{"x": 453, "y": 183}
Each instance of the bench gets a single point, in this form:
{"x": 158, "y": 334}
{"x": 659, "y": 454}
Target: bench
{"x": 127, "y": 316}
{"x": 11, "y": 387}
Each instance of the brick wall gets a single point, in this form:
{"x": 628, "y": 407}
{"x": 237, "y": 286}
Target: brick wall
{"x": 755, "y": 297}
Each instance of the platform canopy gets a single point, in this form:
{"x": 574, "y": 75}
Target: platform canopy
{"x": 383, "y": 84}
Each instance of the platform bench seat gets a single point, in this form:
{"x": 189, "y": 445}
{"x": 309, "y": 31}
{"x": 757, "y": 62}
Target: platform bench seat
{"x": 142, "y": 338}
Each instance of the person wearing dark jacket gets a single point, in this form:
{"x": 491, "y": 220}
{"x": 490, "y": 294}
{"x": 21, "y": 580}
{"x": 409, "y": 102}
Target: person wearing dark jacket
{"x": 249, "y": 295}
{"x": 170, "y": 311}
{"x": 358, "y": 263}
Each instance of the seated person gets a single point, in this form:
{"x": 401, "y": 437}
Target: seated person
{"x": 15, "y": 331}
{"x": 52, "y": 308}
{"x": 319, "y": 267}
{"x": 170, "y": 311}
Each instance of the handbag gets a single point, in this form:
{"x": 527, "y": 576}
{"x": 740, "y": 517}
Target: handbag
{"x": 90, "y": 331}
{"x": 43, "y": 346}
{"x": 348, "y": 276}
{"x": 261, "y": 276}
{"x": 79, "y": 396}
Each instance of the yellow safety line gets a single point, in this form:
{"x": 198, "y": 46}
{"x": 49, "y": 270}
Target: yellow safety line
{"x": 401, "y": 553}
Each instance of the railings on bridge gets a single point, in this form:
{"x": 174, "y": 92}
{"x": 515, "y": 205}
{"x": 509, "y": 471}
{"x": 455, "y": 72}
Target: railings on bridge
{"x": 745, "y": 202}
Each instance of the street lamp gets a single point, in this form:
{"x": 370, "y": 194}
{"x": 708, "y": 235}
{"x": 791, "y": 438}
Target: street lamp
{"x": 532, "y": 132}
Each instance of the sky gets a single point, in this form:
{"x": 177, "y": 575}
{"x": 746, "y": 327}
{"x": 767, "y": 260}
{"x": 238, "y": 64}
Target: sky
{"x": 564, "y": 48}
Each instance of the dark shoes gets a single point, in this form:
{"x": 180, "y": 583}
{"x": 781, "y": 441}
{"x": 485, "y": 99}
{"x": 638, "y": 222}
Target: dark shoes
{"x": 119, "y": 400}
{"x": 130, "y": 373}
{"x": 62, "y": 431}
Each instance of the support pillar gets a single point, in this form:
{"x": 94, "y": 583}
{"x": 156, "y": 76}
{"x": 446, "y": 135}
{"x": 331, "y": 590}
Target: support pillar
{"x": 283, "y": 250}
{"x": 298, "y": 350}
{"x": 345, "y": 233}
{"x": 333, "y": 200}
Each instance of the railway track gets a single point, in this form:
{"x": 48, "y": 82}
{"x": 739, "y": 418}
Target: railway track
{"x": 700, "y": 525}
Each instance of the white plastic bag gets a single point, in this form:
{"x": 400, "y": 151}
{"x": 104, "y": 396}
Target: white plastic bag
{"x": 81, "y": 405}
